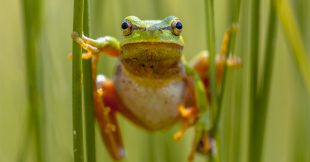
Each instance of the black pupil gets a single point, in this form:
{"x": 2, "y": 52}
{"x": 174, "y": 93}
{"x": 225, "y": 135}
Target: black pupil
{"x": 124, "y": 25}
{"x": 178, "y": 25}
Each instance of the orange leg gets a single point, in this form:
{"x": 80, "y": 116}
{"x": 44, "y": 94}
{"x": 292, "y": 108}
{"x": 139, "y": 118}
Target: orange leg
{"x": 105, "y": 112}
{"x": 106, "y": 108}
{"x": 188, "y": 117}
{"x": 202, "y": 142}
{"x": 201, "y": 63}
{"x": 108, "y": 45}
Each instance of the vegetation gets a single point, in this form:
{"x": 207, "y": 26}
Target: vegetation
{"x": 261, "y": 113}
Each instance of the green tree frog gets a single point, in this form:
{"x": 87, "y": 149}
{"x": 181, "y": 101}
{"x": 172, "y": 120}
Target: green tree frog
{"x": 151, "y": 87}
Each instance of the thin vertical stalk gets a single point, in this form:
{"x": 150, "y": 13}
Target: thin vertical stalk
{"x": 301, "y": 128}
{"x": 78, "y": 148}
{"x": 211, "y": 46}
{"x": 230, "y": 50}
{"x": 212, "y": 75}
{"x": 231, "y": 47}
{"x": 33, "y": 29}
{"x": 292, "y": 33}
{"x": 254, "y": 51}
{"x": 264, "y": 91}
{"x": 88, "y": 95}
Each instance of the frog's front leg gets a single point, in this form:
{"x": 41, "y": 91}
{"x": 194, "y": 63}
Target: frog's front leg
{"x": 105, "y": 112}
{"x": 108, "y": 45}
{"x": 188, "y": 111}
{"x": 189, "y": 114}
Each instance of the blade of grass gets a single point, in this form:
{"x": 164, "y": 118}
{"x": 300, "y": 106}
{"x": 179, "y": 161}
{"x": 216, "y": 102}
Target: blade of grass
{"x": 254, "y": 51}
{"x": 301, "y": 128}
{"x": 235, "y": 112}
{"x": 212, "y": 75}
{"x": 235, "y": 11}
{"x": 211, "y": 46}
{"x": 32, "y": 25}
{"x": 88, "y": 95}
{"x": 292, "y": 33}
{"x": 231, "y": 47}
{"x": 264, "y": 91}
{"x": 78, "y": 147}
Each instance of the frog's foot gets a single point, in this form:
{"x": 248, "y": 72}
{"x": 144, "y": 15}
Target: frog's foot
{"x": 179, "y": 134}
{"x": 201, "y": 65}
{"x": 85, "y": 56}
{"x": 107, "y": 44}
{"x": 203, "y": 143}
{"x": 106, "y": 117}
{"x": 88, "y": 47}
{"x": 233, "y": 61}
{"x": 188, "y": 116}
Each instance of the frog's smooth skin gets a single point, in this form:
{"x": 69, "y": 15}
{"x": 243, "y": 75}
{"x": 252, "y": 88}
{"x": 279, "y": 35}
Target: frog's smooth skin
{"x": 150, "y": 86}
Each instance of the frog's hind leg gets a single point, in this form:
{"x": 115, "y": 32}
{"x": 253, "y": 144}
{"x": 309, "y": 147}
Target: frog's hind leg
{"x": 204, "y": 141}
{"x": 105, "y": 110}
{"x": 201, "y": 62}
{"x": 106, "y": 113}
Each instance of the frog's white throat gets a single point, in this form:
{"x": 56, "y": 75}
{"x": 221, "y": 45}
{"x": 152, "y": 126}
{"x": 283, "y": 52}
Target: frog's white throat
{"x": 156, "y": 106}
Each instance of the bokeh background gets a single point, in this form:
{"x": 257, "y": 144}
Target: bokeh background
{"x": 287, "y": 124}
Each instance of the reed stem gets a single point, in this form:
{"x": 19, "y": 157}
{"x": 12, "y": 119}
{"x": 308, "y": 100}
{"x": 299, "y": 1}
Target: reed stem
{"x": 78, "y": 147}
{"x": 211, "y": 46}
{"x": 230, "y": 50}
{"x": 254, "y": 51}
{"x": 292, "y": 33}
{"x": 88, "y": 95}
{"x": 264, "y": 91}
{"x": 33, "y": 30}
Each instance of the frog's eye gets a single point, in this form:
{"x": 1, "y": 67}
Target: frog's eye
{"x": 176, "y": 27}
{"x": 126, "y": 27}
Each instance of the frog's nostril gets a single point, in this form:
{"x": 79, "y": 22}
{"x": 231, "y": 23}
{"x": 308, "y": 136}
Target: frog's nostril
{"x": 143, "y": 65}
{"x": 152, "y": 66}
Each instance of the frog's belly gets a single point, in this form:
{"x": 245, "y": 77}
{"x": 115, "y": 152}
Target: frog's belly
{"x": 155, "y": 107}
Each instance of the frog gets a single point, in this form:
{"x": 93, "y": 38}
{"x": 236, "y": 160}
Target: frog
{"x": 151, "y": 86}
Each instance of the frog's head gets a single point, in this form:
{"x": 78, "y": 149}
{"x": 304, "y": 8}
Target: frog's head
{"x": 152, "y": 48}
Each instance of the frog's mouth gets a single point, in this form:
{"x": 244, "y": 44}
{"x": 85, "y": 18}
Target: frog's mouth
{"x": 152, "y": 59}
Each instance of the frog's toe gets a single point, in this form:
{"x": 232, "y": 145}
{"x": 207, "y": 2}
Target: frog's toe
{"x": 75, "y": 35}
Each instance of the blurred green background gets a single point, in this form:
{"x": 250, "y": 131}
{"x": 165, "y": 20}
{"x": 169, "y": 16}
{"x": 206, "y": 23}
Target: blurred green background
{"x": 287, "y": 124}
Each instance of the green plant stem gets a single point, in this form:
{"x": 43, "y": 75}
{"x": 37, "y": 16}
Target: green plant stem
{"x": 292, "y": 33}
{"x": 264, "y": 91}
{"x": 235, "y": 24}
{"x": 88, "y": 95}
{"x": 33, "y": 29}
{"x": 230, "y": 50}
{"x": 211, "y": 46}
{"x": 78, "y": 148}
{"x": 254, "y": 51}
